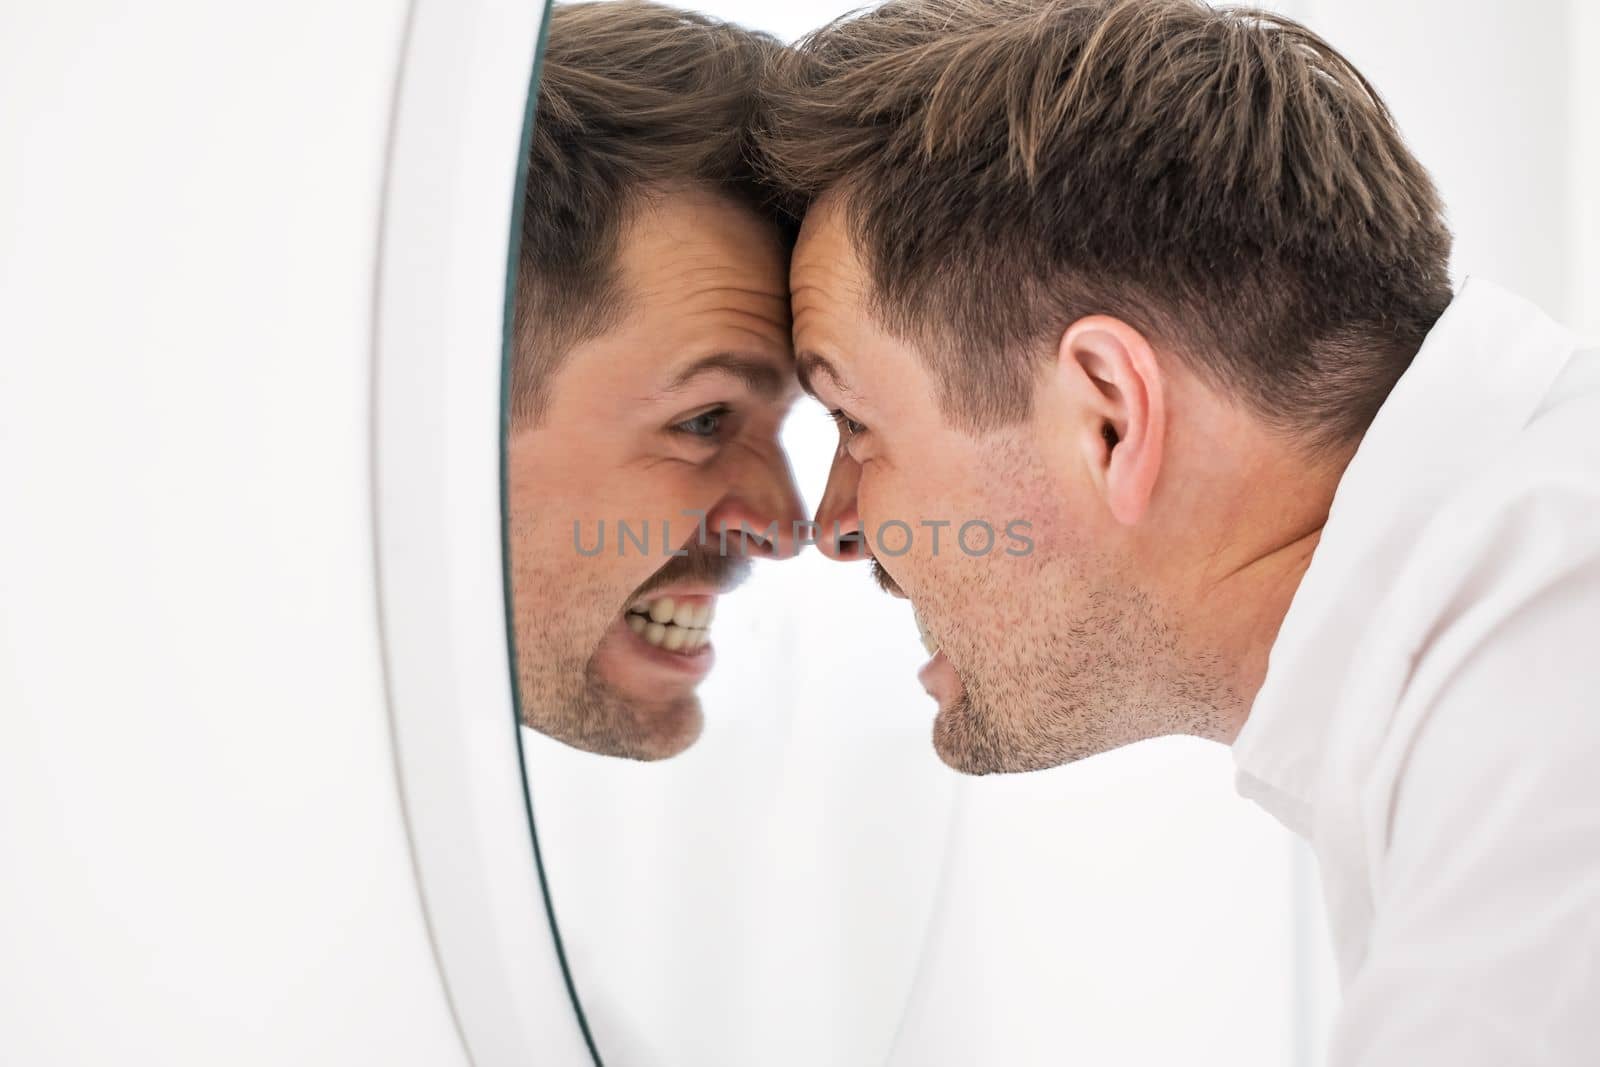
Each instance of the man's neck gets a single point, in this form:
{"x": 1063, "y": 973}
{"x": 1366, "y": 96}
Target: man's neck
{"x": 1255, "y": 602}
{"x": 1263, "y": 536}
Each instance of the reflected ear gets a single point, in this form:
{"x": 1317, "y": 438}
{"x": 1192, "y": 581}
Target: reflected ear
{"x": 1112, "y": 373}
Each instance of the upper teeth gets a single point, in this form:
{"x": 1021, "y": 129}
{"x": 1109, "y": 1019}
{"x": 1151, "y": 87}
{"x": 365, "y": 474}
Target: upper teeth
{"x": 676, "y": 625}
{"x": 928, "y": 643}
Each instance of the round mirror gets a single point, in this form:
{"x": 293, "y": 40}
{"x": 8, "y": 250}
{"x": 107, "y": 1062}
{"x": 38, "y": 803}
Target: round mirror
{"x": 755, "y": 776}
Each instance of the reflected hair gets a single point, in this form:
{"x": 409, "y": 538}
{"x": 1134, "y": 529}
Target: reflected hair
{"x": 1221, "y": 179}
{"x": 635, "y": 99}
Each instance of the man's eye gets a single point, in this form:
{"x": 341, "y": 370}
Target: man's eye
{"x": 850, "y": 426}
{"x": 705, "y": 424}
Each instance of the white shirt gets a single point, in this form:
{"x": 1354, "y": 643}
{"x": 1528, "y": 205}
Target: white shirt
{"x": 1430, "y": 718}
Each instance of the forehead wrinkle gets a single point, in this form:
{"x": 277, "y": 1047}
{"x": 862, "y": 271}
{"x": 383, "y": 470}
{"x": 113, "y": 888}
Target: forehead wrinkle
{"x": 817, "y": 288}
{"x": 826, "y": 261}
{"x": 692, "y": 319}
{"x": 823, "y": 282}
{"x": 824, "y": 275}
{"x": 807, "y": 292}
{"x": 736, "y": 289}
{"x": 706, "y": 329}
{"x": 757, "y": 372}
{"x": 768, "y": 307}
{"x": 734, "y": 292}
{"x": 683, "y": 270}
{"x": 777, "y": 317}
{"x": 811, "y": 333}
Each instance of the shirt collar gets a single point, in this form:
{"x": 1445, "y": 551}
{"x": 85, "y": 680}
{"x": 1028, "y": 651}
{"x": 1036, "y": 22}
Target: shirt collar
{"x": 1476, "y": 380}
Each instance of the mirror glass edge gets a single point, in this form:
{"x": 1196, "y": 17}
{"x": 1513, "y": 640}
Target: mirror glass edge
{"x": 507, "y": 340}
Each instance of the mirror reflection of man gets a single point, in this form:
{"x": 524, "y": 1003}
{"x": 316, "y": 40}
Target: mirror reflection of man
{"x": 1166, "y": 281}
{"x": 652, "y": 370}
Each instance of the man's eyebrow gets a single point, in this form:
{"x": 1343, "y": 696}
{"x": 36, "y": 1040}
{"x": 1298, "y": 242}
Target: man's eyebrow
{"x": 761, "y": 375}
{"x": 809, "y": 363}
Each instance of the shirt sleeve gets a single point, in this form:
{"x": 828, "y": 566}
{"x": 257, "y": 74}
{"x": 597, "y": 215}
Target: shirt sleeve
{"x": 1485, "y": 945}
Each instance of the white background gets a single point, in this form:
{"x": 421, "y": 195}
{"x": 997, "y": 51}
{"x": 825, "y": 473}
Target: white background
{"x": 203, "y": 853}
{"x": 809, "y": 885}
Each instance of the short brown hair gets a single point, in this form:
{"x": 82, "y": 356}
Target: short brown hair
{"x": 1223, "y": 180}
{"x": 635, "y": 99}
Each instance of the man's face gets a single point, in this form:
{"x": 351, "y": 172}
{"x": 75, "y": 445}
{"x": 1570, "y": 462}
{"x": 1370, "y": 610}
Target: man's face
{"x": 1049, "y": 650}
{"x": 667, "y": 422}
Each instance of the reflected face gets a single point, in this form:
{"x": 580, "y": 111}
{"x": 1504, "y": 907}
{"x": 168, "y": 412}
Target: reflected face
{"x": 1044, "y": 641}
{"x": 658, "y": 446}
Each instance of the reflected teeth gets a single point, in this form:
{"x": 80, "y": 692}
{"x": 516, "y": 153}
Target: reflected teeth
{"x": 675, "y": 625}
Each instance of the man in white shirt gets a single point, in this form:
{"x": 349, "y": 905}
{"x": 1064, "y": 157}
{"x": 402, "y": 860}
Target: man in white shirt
{"x": 1430, "y": 716}
{"x": 1164, "y": 284}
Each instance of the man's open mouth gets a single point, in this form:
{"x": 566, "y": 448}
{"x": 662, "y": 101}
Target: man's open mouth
{"x": 676, "y": 624}
{"x": 929, "y": 645}
{"x": 937, "y": 676}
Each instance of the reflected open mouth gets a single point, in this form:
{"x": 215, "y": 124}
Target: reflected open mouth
{"x": 651, "y": 652}
{"x": 677, "y": 624}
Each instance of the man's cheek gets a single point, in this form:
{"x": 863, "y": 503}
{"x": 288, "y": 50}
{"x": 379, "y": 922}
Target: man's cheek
{"x": 685, "y": 502}
{"x": 888, "y": 521}
{"x": 869, "y": 497}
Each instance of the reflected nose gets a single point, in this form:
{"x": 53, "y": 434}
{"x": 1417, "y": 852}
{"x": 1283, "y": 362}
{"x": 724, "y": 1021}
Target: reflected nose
{"x": 838, "y": 523}
{"x": 762, "y": 514}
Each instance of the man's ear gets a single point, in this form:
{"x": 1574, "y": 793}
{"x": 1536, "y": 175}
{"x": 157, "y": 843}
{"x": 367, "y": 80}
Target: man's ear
{"x": 1111, "y": 373}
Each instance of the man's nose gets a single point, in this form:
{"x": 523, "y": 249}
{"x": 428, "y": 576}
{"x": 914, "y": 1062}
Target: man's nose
{"x": 762, "y": 513}
{"x": 838, "y": 532}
